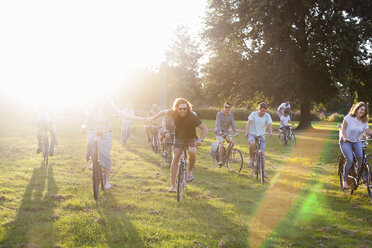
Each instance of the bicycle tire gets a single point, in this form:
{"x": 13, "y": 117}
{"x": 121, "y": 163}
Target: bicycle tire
{"x": 341, "y": 172}
{"x": 261, "y": 170}
{"x": 101, "y": 175}
{"x": 154, "y": 144}
{"x": 180, "y": 181}
{"x": 255, "y": 167}
{"x": 369, "y": 181}
{"x": 293, "y": 140}
{"x": 235, "y": 160}
{"x": 96, "y": 179}
{"x": 46, "y": 150}
{"x": 281, "y": 138}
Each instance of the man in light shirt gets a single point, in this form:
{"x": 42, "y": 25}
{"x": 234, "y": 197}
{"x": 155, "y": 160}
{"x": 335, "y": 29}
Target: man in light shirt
{"x": 258, "y": 121}
{"x": 282, "y": 107}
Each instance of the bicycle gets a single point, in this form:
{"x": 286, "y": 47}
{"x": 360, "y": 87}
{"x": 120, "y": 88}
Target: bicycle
{"x": 259, "y": 164}
{"x": 181, "y": 177}
{"x": 154, "y": 139}
{"x": 355, "y": 174}
{"x": 232, "y": 156}
{"x": 289, "y": 137}
{"x": 124, "y": 135}
{"x": 167, "y": 154}
{"x": 98, "y": 174}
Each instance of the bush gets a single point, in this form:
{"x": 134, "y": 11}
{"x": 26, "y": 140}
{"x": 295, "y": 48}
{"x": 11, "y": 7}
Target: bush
{"x": 335, "y": 117}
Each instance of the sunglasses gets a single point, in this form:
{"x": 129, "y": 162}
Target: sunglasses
{"x": 227, "y": 107}
{"x": 182, "y": 109}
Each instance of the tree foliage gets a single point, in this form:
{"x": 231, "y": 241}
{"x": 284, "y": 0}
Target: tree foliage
{"x": 305, "y": 50}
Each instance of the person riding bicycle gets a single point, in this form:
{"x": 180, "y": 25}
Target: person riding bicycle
{"x": 98, "y": 118}
{"x": 153, "y": 127}
{"x": 45, "y": 124}
{"x": 224, "y": 120}
{"x": 282, "y": 107}
{"x": 125, "y": 123}
{"x": 167, "y": 132}
{"x": 352, "y": 129}
{"x": 284, "y": 121}
{"x": 256, "y": 129}
{"x": 185, "y": 131}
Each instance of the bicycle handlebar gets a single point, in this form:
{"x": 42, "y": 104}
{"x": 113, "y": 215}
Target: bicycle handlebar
{"x": 359, "y": 140}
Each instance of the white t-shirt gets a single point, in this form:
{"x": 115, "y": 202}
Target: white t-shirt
{"x": 354, "y": 129}
{"x": 284, "y": 106}
{"x": 127, "y": 111}
{"x": 258, "y": 126}
{"x": 285, "y": 120}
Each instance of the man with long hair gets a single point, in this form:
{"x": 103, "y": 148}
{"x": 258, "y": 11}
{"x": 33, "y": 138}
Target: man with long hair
{"x": 185, "y": 131}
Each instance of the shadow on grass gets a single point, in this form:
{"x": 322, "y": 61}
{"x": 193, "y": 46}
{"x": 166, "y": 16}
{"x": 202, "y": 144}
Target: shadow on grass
{"x": 34, "y": 220}
{"x": 116, "y": 227}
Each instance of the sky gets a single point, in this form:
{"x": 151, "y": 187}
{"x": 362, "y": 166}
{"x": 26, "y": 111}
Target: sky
{"x": 57, "y": 50}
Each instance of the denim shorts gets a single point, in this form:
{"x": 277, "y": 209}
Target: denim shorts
{"x": 262, "y": 139}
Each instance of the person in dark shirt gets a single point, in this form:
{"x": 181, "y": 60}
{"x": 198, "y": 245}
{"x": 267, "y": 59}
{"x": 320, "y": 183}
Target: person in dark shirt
{"x": 185, "y": 131}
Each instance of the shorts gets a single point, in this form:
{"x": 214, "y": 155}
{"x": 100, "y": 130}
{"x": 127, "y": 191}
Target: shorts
{"x": 220, "y": 138}
{"x": 262, "y": 139}
{"x": 180, "y": 143}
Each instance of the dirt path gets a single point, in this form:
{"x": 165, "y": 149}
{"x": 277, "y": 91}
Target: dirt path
{"x": 292, "y": 178}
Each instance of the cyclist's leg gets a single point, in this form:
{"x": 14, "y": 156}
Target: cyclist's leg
{"x": 53, "y": 141}
{"x": 252, "y": 142}
{"x": 358, "y": 150}
{"x": 263, "y": 147}
{"x": 346, "y": 149}
{"x": 174, "y": 167}
{"x": 38, "y": 136}
{"x": 128, "y": 130}
{"x": 220, "y": 141}
{"x": 192, "y": 159}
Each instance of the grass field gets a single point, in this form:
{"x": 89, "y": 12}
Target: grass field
{"x": 53, "y": 206}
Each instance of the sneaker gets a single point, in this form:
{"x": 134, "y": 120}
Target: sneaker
{"x": 51, "y": 154}
{"x": 250, "y": 164}
{"x": 265, "y": 175}
{"x": 38, "y": 151}
{"x": 345, "y": 185}
{"x": 172, "y": 189}
{"x": 91, "y": 166}
{"x": 108, "y": 186}
{"x": 189, "y": 178}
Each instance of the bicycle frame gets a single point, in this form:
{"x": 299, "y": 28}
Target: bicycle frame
{"x": 181, "y": 177}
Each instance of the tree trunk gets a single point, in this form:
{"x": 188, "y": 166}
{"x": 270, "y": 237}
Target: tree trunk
{"x": 305, "y": 116}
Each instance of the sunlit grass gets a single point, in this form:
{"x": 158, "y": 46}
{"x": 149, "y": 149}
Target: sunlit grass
{"x": 50, "y": 206}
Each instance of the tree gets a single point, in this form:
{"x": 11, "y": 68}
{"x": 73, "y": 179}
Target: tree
{"x": 183, "y": 58}
{"x": 304, "y": 50}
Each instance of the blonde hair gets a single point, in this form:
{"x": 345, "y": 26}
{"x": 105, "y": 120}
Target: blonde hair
{"x": 353, "y": 111}
{"x": 179, "y": 101}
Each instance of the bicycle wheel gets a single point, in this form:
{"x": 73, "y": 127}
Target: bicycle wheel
{"x": 255, "y": 167}
{"x": 45, "y": 149}
{"x": 180, "y": 181}
{"x": 369, "y": 181}
{"x": 281, "y": 138}
{"x": 96, "y": 178}
{"x": 235, "y": 160}
{"x": 292, "y": 140}
{"x": 101, "y": 176}
{"x": 167, "y": 158}
{"x": 341, "y": 171}
{"x": 261, "y": 169}
{"x": 154, "y": 144}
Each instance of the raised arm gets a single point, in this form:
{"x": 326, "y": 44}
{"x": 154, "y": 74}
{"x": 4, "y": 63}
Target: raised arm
{"x": 158, "y": 115}
{"x": 270, "y": 127}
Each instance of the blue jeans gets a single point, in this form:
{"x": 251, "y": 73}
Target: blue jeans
{"x": 347, "y": 150}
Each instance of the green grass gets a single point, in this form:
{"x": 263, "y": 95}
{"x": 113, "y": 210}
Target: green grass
{"x": 53, "y": 206}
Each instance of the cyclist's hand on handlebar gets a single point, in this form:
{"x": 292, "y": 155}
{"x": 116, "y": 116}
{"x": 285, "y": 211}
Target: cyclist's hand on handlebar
{"x": 197, "y": 143}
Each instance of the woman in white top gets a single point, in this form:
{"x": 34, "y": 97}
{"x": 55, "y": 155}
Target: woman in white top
{"x": 353, "y": 126}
